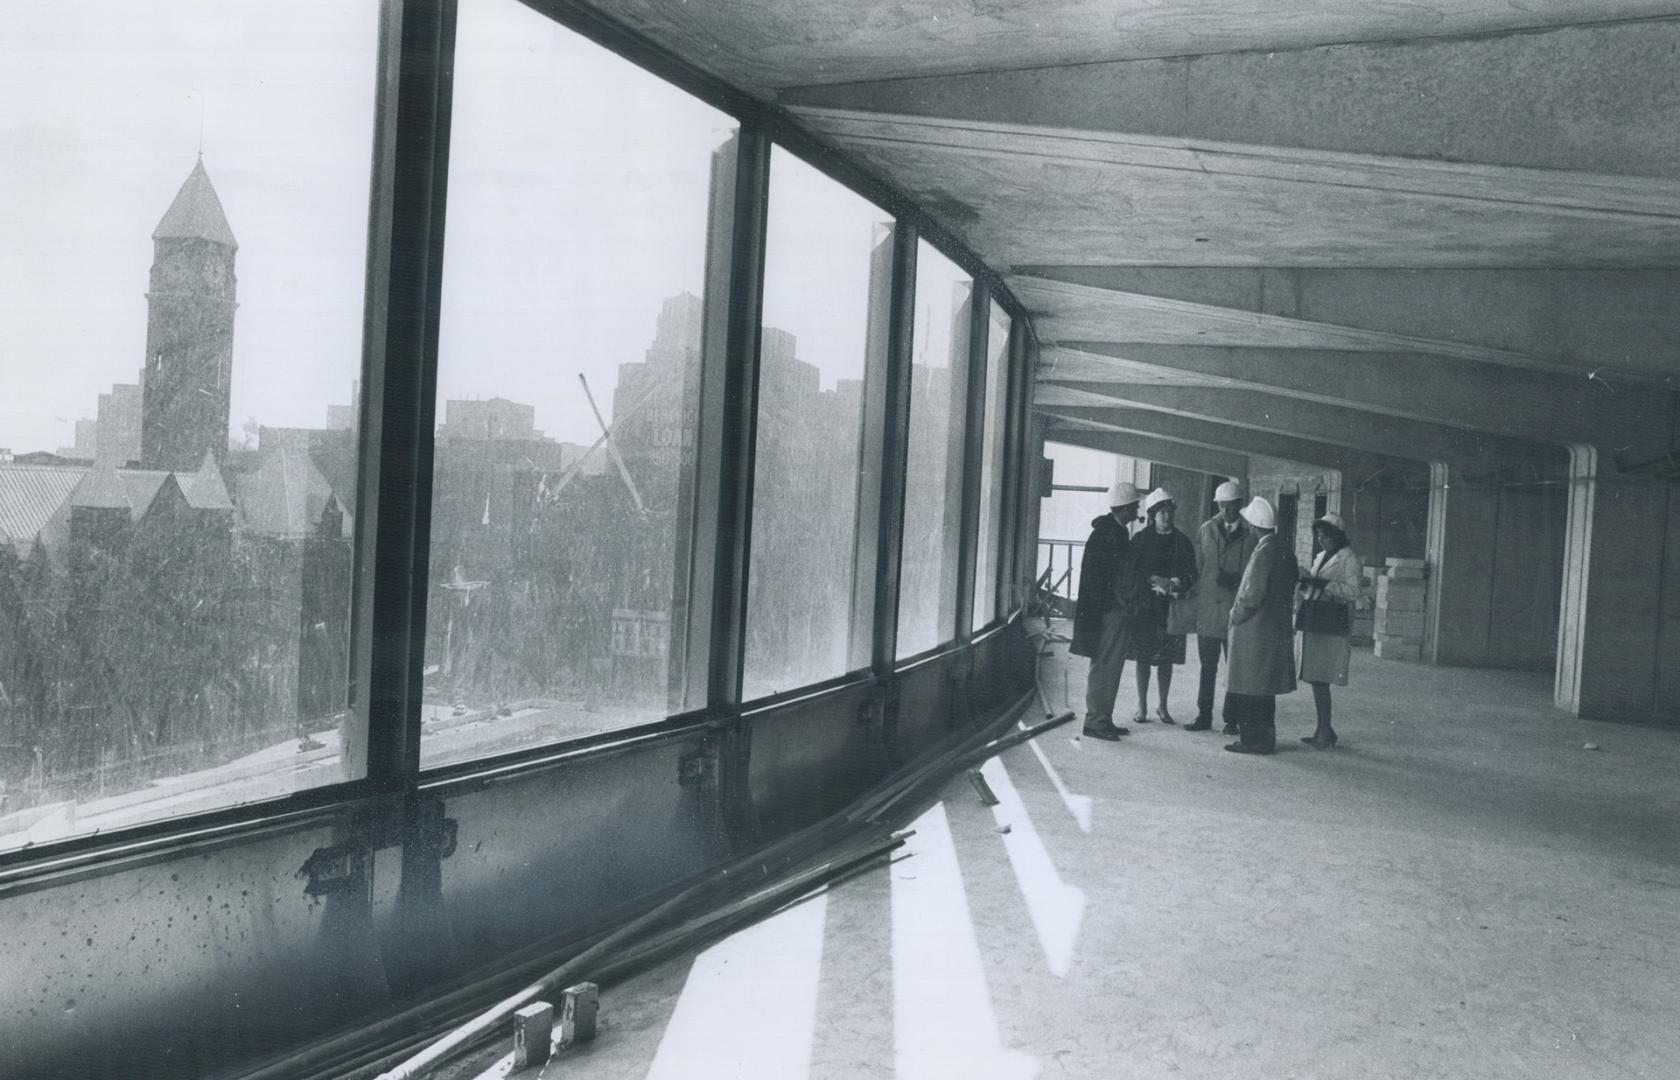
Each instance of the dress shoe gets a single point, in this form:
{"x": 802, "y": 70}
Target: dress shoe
{"x": 1244, "y": 748}
{"x": 1232, "y": 729}
{"x": 1142, "y": 718}
{"x": 1164, "y": 716}
{"x": 1104, "y": 729}
{"x": 1201, "y": 723}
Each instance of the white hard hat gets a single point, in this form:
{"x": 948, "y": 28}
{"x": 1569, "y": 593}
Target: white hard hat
{"x": 1229, "y": 491}
{"x": 1123, "y": 494}
{"x": 1334, "y": 521}
{"x": 1259, "y": 514}
{"x": 1156, "y": 498}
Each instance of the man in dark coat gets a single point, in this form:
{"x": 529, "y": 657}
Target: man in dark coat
{"x": 1108, "y": 594}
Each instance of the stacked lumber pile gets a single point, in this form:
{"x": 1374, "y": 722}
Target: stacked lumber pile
{"x": 1398, "y": 626}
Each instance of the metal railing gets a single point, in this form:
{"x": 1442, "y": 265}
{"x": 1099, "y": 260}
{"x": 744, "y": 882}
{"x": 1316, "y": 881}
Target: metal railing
{"x": 1058, "y": 576}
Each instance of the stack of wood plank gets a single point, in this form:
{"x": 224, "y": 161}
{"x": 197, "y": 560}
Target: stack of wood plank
{"x": 1398, "y": 626}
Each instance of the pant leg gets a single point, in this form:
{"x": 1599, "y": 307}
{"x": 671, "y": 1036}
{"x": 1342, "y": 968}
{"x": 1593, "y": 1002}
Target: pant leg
{"x": 1265, "y": 722}
{"x": 1102, "y": 682}
{"x": 1207, "y": 651}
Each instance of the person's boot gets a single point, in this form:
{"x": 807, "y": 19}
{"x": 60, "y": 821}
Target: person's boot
{"x": 1104, "y": 729}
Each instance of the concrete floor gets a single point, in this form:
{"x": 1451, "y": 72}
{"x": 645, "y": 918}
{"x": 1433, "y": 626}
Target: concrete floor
{"x": 1458, "y": 890}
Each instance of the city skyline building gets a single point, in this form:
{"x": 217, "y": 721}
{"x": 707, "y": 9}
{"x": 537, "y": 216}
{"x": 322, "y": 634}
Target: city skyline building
{"x": 189, "y": 330}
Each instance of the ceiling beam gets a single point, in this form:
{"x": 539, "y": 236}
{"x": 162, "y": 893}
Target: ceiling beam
{"x": 1391, "y": 436}
{"x": 1432, "y": 389}
{"x": 1623, "y": 322}
{"x": 1202, "y": 459}
{"x": 1593, "y": 99}
{"x": 1221, "y": 436}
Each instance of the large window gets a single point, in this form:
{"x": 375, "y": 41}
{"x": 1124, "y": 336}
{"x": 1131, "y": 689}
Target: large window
{"x": 991, "y": 467}
{"x": 176, "y": 497}
{"x": 568, "y": 378}
{"x": 933, "y": 490}
{"x": 827, "y": 270}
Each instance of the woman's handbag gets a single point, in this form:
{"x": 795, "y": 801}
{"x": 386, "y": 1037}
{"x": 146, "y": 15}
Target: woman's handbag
{"x": 1181, "y": 616}
{"x": 1322, "y": 617}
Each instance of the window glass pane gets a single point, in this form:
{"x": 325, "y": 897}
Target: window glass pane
{"x": 181, "y": 282}
{"x": 827, "y": 268}
{"x": 1081, "y": 478}
{"x": 572, "y": 301}
{"x": 933, "y": 491}
{"x": 991, "y": 467}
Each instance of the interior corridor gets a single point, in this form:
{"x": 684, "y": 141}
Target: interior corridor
{"x": 1460, "y": 889}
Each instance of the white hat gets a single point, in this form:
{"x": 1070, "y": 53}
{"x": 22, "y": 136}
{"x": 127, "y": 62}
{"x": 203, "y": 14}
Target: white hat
{"x": 1156, "y": 498}
{"x": 1123, "y": 494}
{"x": 1259, "y": 514}
{"x": 1229, "y": 491}
{"x": 1334, "y": 521}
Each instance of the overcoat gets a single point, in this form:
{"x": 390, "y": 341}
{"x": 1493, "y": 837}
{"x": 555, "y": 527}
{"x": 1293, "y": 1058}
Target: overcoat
{"x": 1262, "y": 623}
{"x": 1108, "y": 581}
{"x": 1325, "y": 657}
{"x": 1171, "y": 555}
{"x": 1220, "y": 553}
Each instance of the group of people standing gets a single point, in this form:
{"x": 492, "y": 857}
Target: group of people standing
{"x": 1145, "y": 587}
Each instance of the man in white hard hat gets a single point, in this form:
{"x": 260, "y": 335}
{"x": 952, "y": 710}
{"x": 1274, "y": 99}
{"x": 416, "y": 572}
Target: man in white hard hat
{"x": 1224, "y": 544}
{"x": 1109, "y": 592}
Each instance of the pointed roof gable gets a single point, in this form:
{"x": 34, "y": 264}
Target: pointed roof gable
{"x": 205, "y": 489}
{"x": 142, "y": 486}
{"x": 196, "y": 213}
{"x": 101, "y": 488}
{"x": 285, "y": 496}
{"x": 168, "y": 493}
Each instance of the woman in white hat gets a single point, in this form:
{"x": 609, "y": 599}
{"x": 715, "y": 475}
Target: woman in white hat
{"x": 1262, "y": 663}
{"x": 1167, "y": 560}
{"x": 1338, "y": 578}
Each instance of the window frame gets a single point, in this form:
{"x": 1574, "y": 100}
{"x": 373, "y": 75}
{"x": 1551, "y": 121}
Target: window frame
{"x": 407, "y": 203}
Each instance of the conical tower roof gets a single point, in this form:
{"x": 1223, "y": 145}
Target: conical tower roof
{"x": 196, "y": 213}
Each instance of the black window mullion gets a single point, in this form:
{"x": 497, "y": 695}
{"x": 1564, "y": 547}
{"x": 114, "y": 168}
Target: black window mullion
{"x": 737, "y": 437}
{"x": 894, "y": 447}
{"x": 400, "y": 368}
{"x": 1009, "y": 503}
{"x": 973, "y": 453}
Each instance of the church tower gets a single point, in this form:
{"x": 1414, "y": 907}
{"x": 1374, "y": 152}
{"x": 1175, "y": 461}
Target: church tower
{"x": 189, "y": 331}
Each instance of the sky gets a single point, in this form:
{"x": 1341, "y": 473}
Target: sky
{"x": 102, "y": 105}
{"x": 577, "y": 204}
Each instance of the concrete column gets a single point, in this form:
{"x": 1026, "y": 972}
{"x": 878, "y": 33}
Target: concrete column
{"x": 1618, "y": 556}
{"x": 1460, "y": 546}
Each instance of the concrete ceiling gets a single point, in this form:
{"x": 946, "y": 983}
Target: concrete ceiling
{"x": 1435, "y": 182}
{"x": 763, "y": 45}
{"x": 1021, "y": 195}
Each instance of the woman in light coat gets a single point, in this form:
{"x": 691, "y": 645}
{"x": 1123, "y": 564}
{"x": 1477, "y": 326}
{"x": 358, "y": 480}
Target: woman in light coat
{"x": 1336, "y": 576}
{"x": 1262, "y": 641}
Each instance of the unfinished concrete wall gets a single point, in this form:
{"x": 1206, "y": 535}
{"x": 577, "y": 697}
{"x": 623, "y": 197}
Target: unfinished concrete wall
{"x": 1617, "y": 626}
{"x": 1189, "y": 489}
{"x": 1528, "y": 575}
{"x": 1495, "y": 552}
